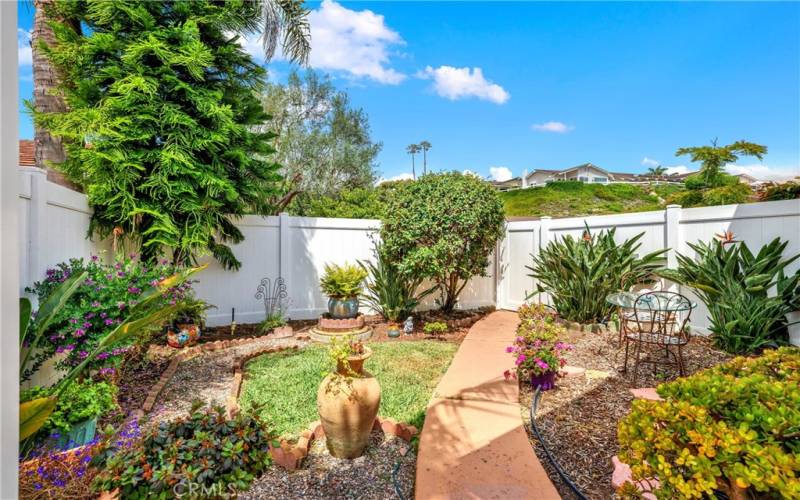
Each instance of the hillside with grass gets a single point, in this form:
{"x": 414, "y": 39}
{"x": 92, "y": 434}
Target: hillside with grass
{"x": 572, "y": 198}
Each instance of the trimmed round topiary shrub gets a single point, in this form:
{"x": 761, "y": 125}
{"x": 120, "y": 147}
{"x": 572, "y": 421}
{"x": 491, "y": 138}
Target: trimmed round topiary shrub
{"x": 733, "y": 428}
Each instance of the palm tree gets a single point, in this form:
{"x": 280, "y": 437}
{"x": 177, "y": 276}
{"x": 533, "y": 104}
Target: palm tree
{"x": 413, "y": 149}
{"x": 425, "y": 146}
{"x": 286, "y": 19}
{"x": 47, "y": 149}
{"x": 281, "y": 19}
{"x": 656, "y": 172}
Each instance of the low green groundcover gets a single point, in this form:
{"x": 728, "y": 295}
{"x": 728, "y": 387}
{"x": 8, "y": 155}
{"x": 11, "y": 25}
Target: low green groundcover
{"x": 286, "y": 382}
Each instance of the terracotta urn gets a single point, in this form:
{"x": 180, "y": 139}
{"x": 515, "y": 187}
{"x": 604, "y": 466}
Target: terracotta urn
{"x": 348, "y": 402}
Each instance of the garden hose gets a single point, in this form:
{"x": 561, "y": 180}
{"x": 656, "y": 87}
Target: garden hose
{"x": 550, "y": 457}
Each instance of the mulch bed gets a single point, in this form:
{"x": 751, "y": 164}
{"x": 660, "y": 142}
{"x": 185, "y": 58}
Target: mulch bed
{"x": 578, "y": 419}
{"x": 379, "y": 334}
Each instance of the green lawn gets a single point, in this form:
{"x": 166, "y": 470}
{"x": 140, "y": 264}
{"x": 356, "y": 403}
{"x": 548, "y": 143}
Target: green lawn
{"x": 570, "y": 199}
{"x": 285, "y": 383}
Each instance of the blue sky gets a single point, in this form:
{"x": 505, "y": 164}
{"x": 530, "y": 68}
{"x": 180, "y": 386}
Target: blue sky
{"x": 498, "y": 88}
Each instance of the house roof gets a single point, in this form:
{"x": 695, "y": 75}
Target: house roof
{"x": 510, "y": 182}
{"x": 27, "y": 152}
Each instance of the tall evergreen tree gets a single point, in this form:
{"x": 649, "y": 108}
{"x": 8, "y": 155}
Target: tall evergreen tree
{"x": 160, "y": 127}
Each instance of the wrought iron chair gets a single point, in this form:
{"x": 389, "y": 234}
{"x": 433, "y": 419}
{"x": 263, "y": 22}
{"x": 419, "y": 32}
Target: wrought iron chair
{"x": 658, "y": 322}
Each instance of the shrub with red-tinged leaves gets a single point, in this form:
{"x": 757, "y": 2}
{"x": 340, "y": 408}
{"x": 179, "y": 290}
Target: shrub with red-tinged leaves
{"x": 205, "y": 449}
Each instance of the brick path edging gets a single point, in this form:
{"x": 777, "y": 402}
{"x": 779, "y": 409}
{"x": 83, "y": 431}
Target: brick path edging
{"x": 184, "y": 355}
{"x": 289, "y": 456}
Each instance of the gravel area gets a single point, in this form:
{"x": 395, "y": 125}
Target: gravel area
{"x": 207, "y": 377}
{"x": 578, "y": 419}
{"x": 322, "y": 476}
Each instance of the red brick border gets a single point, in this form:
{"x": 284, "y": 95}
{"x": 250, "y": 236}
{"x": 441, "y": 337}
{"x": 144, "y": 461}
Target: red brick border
{"x": 286, "y": 455}
{"x": 181, "y": 356}
{"x": 232, "y": 402}
{"x": 289, "y": 456}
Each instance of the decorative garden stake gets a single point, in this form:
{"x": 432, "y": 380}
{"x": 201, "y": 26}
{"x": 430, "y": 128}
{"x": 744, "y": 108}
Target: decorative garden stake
{"x": 274, "y": 295}
{"x": 233, "y": 321}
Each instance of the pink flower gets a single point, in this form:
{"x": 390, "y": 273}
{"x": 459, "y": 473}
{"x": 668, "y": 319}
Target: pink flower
{"x": 80, "y": 332}
{"x": 510, "y": 349}
{"x": 520, "y": 359}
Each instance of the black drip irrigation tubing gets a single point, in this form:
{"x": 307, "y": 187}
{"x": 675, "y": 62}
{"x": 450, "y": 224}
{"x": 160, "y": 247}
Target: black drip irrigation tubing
{"x": 397, "y": 488}
{"x": 564, "y": 476}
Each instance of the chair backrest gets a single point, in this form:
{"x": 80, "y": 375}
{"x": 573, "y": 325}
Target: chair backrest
{"x": 662, "y": 316}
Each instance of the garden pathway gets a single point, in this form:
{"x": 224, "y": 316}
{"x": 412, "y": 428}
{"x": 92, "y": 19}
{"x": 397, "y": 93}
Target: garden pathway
{"x": 473, "y": 444}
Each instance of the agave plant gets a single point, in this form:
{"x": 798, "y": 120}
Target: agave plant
{"x": 390, "y": 292}
{"x": 578, "y": 274}
{"x": 34, "y": 413}
{"x": 735, "y": 285}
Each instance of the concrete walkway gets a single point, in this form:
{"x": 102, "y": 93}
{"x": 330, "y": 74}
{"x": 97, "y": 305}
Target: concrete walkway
{"x": 473, "y": 444}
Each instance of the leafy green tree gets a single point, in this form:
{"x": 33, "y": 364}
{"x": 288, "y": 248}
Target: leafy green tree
{"x": 358, "y": 203}
{"x": 443, "y": 227}
{"x": 656, "y": 171}
{"x": 323, "y": 143}
{"x": 713, "y": 158}
{"x": 162, "y": 103}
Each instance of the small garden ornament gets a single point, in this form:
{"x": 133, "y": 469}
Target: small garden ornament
{"x": 408, "y": 325}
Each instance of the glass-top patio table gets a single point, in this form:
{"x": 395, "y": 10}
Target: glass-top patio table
{"x": 651, "y": 302}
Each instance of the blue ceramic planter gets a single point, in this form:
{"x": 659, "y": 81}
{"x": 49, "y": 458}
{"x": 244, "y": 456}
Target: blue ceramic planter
{"x": 80, "y": 434}
{"x": 341, "y": 308}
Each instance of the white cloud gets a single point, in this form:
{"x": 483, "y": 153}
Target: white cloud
{"x": 458, "y": 83}
{"x": 677, "y": 169}
{"x": 764, "y": 172}
{"x": 557, "y": 127}
{"x": 500, "y": 174}
{"x": 649, "y": 162}
{"x": 355, "y": 43}
{"x": 24, "y": 51}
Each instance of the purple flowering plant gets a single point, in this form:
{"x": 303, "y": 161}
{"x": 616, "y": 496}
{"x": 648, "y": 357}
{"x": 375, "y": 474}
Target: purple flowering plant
{"x": 101, "y": 303}
{"x": 536, "y": 350}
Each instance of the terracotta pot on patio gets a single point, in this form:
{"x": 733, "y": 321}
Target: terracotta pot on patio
{"x": 348, "y": 402}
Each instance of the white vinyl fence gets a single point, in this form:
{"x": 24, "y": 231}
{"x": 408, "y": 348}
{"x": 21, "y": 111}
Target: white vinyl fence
{"x": 55, "y": 223}
{"x": 755, "y": 224}
{"x": 55, "y": 220}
